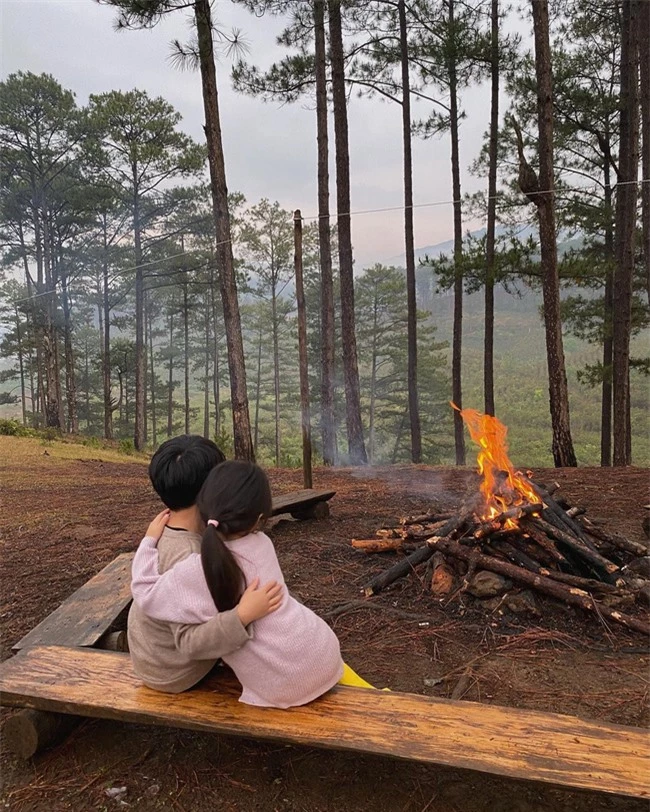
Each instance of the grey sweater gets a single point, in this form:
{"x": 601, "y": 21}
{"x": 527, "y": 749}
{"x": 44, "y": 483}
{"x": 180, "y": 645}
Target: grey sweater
{"x": 172, "y": 657}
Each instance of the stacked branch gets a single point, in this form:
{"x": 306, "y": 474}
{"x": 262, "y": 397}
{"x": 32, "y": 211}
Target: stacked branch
{"x": 548, "y": 546}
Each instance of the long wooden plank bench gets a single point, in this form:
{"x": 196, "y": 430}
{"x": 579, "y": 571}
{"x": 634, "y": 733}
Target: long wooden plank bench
{"x": 88, "y": 613}
{"x": 306, "y": 504}
{"x": 546, "y": 747}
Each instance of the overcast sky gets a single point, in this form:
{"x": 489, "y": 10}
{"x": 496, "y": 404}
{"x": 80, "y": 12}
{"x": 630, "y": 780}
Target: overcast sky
{"x": 270, "y": 150}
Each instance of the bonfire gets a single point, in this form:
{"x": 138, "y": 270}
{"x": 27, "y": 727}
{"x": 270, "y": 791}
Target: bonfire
{"x": 514, "y": 527}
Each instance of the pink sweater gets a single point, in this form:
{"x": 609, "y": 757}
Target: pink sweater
{"x": 293, "y": 656}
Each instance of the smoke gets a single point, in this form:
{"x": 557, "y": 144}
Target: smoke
{"x": 442, "y": 487}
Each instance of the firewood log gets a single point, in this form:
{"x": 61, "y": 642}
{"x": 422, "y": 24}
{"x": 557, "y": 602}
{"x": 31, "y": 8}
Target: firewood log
{"x": 561, "y": 515}
{"x": 614, "y": 539}
{"x": 571, "y": 595}
{"x": 603, "y": 564}
{"x": 420, "y": 555}
{"x": 377, "y": 545}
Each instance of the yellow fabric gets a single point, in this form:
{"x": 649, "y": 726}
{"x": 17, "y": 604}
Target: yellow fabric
{"x": 350, "y": 677}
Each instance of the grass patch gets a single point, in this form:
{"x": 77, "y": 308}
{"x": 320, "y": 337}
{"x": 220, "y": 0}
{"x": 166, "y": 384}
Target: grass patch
{"x": 23, "y": 450}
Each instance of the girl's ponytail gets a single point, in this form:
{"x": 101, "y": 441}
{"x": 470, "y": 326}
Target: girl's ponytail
{"x": 232, "y": 500}
{"x": 223, "y": 575}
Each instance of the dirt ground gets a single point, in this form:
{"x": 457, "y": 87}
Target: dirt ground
{"x": 64, "y": 519}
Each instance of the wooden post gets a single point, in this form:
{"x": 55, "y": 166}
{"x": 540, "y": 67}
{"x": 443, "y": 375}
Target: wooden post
{"x": 302, "y": 351}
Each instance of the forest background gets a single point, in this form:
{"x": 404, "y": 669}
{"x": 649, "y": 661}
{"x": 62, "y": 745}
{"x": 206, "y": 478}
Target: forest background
{"x": 82, "y": 230}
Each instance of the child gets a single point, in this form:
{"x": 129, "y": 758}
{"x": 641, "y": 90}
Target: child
{"x": 294, "y": 656}
{"x": 170, "y": 656}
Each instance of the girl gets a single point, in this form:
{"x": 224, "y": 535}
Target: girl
{"x": 293, "y": 656}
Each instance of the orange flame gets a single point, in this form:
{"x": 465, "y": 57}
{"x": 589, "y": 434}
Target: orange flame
{"x": 502, "y": 487}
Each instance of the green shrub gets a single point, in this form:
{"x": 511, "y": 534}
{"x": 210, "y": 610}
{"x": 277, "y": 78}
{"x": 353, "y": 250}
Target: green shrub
{"x": 225, "y": 443}
{"x": 13, "y": 428}
{"x": 126, "y": 447}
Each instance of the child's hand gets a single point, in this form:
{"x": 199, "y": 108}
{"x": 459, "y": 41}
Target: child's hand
{"x": 155, "y": 529}
{"x": 259, "y": 601}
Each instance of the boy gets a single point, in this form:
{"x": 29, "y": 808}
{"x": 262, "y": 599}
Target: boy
{"x": 172, "y": 657}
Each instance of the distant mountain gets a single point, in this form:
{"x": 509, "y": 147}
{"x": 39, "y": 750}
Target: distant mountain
{"x": 447, "y": 247}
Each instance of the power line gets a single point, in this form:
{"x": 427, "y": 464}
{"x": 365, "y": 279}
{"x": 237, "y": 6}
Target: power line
{"x": 336, "y": 215}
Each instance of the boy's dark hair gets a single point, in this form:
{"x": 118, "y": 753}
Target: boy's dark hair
{"x": 179, "y": 468}
{"x": 236, "y": 495}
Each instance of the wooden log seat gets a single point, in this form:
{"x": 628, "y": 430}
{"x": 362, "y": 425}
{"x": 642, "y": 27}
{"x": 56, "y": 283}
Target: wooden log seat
{"x": 306, "y": 504}
{"x": 88, "y": 614}
{"x": 530, "y": 745}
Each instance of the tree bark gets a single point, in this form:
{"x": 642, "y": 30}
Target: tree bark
{"x": 490, "y": 237}
{"x": 87, "y": 383}
{"x": 216, "y": 385}
{"x": 152, "y": 387}
{"x": 53, "y": 405}
{"x": 626, "y": 203}
{"x": 327, "y": 426}
{"x": 70, "y": 382}
{"x": 608, "y": 300}
{"x": 563, "y": 453}
{"x": 239, "y": 396}
{"x": 412, "y": 317}
{"x": 170, "y": 379}
{"x": 276, "y": 368}
{"x": 21, "y": 368}
{"x": 258, "y": 386}
{"x": 206, "y": 374}
{"x": 106, "y": 359}
{"x": 186, "y": 354}
{"x": 457, "y": 333}
{"x": 302, "y": 353}
{"x": 356, "y": 446}
{"x": 644, "y": 67}
{"x": 139, "y": 429}
{"x": 373, "y": 380}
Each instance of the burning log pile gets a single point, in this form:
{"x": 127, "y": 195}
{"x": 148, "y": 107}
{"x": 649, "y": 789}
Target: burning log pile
{"x": 517, "y": 529}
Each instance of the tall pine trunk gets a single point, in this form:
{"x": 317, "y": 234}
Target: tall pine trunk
{"x": 644, "y": 66}
{"x": 239, "y": 396}
{"x": 206, "y": 372}
{"x": 276, "y": 371}
{"x": 258, "y": 386}
{"x": 52, "y": 384}
{"x": 373, "y": 379}
{"x": 70, "y": 382}
{"x": 356, "y": 446}
{"x": 106, "y": 355}
{"x": 563, "y": 453}
{"x": 412, "y": 317}
{"x": 626, "y": 209}
{"x": 140, "y": 380}
{"x": 87, "y": 383}
{"x": 21, "y": 368}
{"x": 328, "y": 431}
{"x": 186, "y": 355}
{"x": 608, "y": 300}
{"x": 490, "y": 237}
{"x": 457, "y": 333}
{"x": 170, "y": 379}
{"x": 152, "y": 384}
{"x": 216, "y": 384}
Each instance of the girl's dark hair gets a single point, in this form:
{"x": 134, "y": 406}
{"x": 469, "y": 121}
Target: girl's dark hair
{"x": 236, "y": 493}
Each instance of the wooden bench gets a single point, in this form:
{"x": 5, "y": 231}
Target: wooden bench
{"x": 307, "y": 504}
{"x": 545, "y": 747}
{"x": 87, "y": 615}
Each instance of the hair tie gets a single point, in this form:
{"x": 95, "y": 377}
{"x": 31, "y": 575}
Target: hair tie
{"x": 213, "y": 522}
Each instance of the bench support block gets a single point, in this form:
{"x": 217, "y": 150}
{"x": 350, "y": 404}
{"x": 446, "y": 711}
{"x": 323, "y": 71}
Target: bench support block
{"x": 28, "y": 732}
